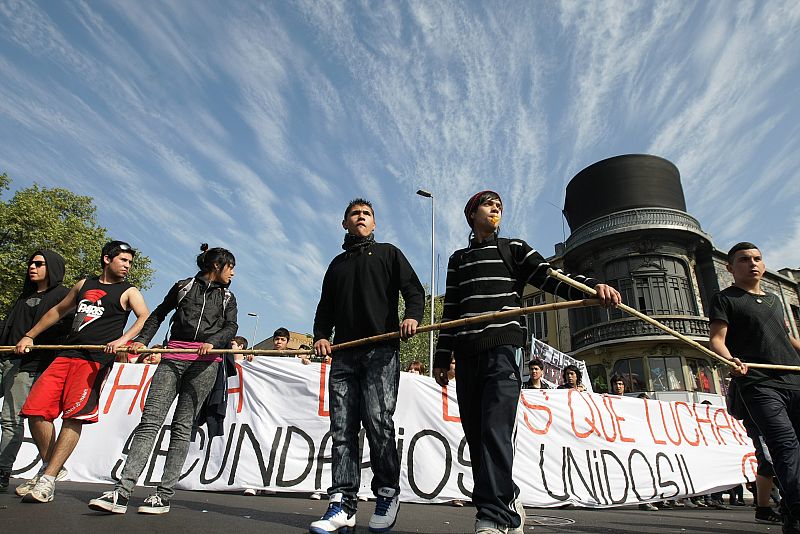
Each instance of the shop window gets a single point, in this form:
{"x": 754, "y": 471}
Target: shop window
{"x": 632, "y": 372}
{"x": 666, "y": 374}
{"x": 597, "y": 376}
{"x": 701, "y": 375}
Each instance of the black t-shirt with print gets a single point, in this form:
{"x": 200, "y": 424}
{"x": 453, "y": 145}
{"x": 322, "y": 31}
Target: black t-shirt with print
{"x": 757, "y": 334}
{"x": 99, "y": 319}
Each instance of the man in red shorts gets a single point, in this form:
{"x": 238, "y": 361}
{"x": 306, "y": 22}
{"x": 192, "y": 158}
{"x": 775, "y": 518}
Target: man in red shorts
{"x": 71, "y": 385}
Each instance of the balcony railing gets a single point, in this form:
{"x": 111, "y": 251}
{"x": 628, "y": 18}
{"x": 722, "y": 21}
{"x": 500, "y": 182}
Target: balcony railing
{"x": 635, "y": 219}
{"x": 622, "y": 329}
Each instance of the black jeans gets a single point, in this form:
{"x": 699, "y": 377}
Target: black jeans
{"x": 488, "y": 386}
{"x": 776, "y": 413}
{"x": 362, "y": 387}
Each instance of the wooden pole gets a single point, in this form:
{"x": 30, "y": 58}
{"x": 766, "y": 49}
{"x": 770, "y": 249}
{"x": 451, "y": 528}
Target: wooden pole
{"x": 484, "y": 318}
{"x": 636, "y": 313}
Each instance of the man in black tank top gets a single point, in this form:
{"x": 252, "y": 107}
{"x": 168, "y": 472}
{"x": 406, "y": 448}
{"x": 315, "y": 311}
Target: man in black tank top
{"x": 71, "y": 385}
{"x": 749, "y": 323}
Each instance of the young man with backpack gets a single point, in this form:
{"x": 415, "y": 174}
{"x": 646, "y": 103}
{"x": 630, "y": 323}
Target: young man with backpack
{"x": 490, "y": 275}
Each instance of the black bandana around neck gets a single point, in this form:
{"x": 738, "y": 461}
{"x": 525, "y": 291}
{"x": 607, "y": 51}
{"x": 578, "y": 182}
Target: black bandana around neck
{"x": 353, "y": 243}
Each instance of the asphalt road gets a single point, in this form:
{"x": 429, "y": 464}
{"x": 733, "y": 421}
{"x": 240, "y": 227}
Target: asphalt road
{"x": 195, "y": 511}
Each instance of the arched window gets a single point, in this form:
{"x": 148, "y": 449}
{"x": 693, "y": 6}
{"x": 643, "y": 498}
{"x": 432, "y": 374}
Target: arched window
{"x": 655, "y": 285}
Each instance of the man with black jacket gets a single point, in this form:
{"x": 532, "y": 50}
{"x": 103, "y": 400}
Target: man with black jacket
{"x": 41, "y": 290}
{"x": 360, "y": 294}
{"x": 490, "y": 275}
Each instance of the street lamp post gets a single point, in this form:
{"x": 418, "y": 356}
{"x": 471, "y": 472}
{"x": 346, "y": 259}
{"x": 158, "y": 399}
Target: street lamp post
{"x": 428, "y": 194}
{"x": 255, "y": 329}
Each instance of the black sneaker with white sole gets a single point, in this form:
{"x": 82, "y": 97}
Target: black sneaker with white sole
{"x": 111, "y": 501}
{"x": 765, "y": 514}
{"x": 155, "y": 504}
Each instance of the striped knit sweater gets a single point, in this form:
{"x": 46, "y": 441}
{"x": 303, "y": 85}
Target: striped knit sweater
{"x": 479, "y": 282}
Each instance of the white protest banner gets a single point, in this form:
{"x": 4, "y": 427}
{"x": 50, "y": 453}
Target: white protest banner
{"x": 580, "y": 448}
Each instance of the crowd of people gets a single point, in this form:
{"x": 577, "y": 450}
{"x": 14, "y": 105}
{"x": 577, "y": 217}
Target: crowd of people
{"x": 359, "y": 299}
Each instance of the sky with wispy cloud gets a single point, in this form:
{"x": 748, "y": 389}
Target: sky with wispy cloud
{"x": 250, "y": 125}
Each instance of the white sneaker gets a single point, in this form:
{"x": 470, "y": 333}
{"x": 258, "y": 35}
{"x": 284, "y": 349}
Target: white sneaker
{"x": 250, "y": 491}
{"x": 521, "y": 512}
{"x": 387, "y": 504}
{"x": 335, "y": 519}
{"x": 315, "y": 496}
{"x": 42, "y": 492}
{"x": 26, "y": 487}
{"x": 484, "y": 526}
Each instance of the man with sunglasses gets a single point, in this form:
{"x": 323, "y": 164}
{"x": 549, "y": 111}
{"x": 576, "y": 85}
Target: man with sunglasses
{"x": 41, "y": 290}
{"x": 71, "y": 385}
{"x": 360, "y": 294}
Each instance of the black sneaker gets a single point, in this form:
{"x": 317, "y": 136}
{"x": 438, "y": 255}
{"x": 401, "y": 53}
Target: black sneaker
{"x": 5, "y": 476}
{"x": 111, "y": 501}
{"x": 765, "y": 514}
{"x": 155, "y": 504}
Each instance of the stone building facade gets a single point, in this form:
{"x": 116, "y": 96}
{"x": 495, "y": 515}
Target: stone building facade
{"x": 639, "y": 238}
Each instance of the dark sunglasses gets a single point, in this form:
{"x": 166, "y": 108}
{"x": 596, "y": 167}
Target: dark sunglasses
{"x": 37, "y": 263}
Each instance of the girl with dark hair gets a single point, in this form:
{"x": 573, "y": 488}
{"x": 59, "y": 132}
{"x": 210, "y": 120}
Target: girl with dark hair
{"x": 572, "y": 378}
{"x": 204, "y": 320}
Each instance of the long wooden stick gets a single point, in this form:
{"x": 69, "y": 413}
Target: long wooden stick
{"x": 484, "y": 318}
{"x": 636, "y": 313}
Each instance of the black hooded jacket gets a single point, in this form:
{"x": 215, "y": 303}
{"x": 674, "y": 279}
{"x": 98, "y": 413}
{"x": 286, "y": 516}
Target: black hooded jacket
{"x": 202, "y": 315}
{"x": 18, "y": 321}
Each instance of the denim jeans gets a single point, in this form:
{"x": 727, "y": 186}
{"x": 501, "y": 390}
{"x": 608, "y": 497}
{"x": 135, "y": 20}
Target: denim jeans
{"x": 16, "y": 385}
{"x": 362, "y": 388}
{"x": 191, "y": 382}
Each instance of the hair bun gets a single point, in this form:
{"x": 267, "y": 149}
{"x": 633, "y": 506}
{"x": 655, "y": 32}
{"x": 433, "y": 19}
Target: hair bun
{"x": 204, "y": 247}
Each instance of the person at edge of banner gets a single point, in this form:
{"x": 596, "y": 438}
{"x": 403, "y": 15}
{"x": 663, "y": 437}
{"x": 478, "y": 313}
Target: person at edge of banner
{"x": 489, "y": 275}
{"x": 360, "y": 296}
{"x": 572, "y": 378}
{"x": 42, "y": 289}
{"x": 535, "y": 372}
{"x": 748, "y": 323}
{"x": 280, "y": 341}
{"x": 72, "y": 383}
{"x": 204, "y": 320}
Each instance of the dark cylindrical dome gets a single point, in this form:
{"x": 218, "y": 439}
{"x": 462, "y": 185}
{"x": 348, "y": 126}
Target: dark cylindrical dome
{"x": 622, "y": 183}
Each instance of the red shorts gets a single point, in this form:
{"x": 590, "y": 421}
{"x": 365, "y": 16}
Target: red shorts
{"x": 70, "y": 386}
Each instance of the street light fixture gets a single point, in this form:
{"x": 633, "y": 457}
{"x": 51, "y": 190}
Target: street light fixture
{"x": 428, "y": 194}
{"x": 255, "y": 329}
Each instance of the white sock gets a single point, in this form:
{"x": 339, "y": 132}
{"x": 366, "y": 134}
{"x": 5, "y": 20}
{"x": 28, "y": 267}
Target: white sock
{"x": 49, "y": 478}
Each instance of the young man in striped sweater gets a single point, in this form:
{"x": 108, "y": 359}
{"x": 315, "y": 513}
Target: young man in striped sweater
{"x": 490, "y": 275}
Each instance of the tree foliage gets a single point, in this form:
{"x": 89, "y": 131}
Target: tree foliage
{"x": 55, "y": 218}
{"x": 416, "y": 348}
